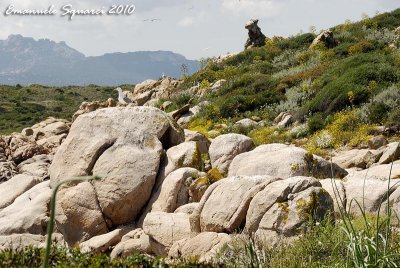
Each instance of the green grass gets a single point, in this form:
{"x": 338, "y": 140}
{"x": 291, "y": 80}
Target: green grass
{"x": 22, "y": 107}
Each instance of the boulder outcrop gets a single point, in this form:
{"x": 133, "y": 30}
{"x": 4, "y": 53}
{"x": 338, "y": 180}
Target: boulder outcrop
{"x": 283, "y": 161}
{"x": 174, "y": 191}
{"x": 224, "y": 148}
{"x": 224, "y": 206}
{"x": 326, "y": 38}
{"x": 16, "y": 186}
{"x": 135, "y": 241}
{"x": 124, "y": 146}
{"x": 283, "y": 208}
{"x": 167, "y": 228}
{"x": 256, "y": 37}
{"x": 28, "y": 213}
{"x": 204, "y": 246}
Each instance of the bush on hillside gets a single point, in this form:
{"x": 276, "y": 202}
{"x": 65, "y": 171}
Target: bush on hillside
{"x": 296, "y": 42}
{"x": 316, "y": 122}
{"x": 362, "y": 46}
{"x": 346, "y": 129}
{"x": 249, "y": 56}
{"x": 393, "y": 120}
{"x": 381, "y": 105}
{"x": 352, "y": 75}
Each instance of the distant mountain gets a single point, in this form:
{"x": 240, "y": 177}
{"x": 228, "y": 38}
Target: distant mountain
{"x": 24, "y": 60}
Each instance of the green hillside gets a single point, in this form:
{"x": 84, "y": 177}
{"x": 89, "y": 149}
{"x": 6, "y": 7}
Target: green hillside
{"x": 356, "y": 83}
{"x": 22, "y": 107}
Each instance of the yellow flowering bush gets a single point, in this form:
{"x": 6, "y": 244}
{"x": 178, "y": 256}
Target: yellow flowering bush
{"x": 345, "y": 130}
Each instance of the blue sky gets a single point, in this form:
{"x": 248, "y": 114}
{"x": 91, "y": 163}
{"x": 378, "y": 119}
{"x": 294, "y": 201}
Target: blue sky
{"x": 194, "y": 28}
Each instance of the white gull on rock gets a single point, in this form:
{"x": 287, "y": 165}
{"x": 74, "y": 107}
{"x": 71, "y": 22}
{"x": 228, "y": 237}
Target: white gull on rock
{"x": 121, "y": 97}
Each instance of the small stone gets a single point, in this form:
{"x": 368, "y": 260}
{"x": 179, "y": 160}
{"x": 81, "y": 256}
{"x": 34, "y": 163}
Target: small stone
{"x": 27, "y": 132}
{"x": 377, "y": 142}
{"x": 326, "y": 38}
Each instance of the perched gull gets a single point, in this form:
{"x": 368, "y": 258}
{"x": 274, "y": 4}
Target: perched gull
{"x": 121, "y": 97}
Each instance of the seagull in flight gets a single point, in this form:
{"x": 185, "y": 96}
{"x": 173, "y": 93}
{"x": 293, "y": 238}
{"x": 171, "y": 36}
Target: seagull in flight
{"x": 121, "y": 97}
{"x": 152, "y": 20}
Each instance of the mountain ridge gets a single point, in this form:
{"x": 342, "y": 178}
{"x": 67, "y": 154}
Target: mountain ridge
{"x": 43, "y": 61}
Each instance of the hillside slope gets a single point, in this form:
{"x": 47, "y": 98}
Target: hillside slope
{"x": 352, "y": 87}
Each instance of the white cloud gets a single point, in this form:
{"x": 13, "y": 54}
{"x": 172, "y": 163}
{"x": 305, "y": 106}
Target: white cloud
{"x": 186, "y": 22}
{"x": 254, "y": 8}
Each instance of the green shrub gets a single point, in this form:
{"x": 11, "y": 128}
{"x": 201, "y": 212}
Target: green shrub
{"x": 181, "y": 100}
{"x": 249, "y": 56}
{"x": 295, "y": 42}
{"x": 346, "y": 129}
{"x": 393, "y": 120}
{"x": 381, "y": 105}
{"x": 316, "y": 122}
{"x": 264, "y": 67}
{"x": 362, "y": 46}
{"x": 295, "y": 97}
{"x": 377, "y": 113}
{"x": 388, "y": 20}
{"x": 286, "y": 59}
{"x": 382, "y": 37}
{"x": 265, "y": 135}
{"x": 352, "y": 74}
{"x": 25, "y": 108}
{"x": 342, "y": 50}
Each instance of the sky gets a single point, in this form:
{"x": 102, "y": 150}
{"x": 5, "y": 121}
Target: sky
{"x": 193, "y": 28}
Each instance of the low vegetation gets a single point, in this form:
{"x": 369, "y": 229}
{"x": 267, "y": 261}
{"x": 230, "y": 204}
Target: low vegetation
{"x": 318, "y": 86}
{"x": 22, "y": 107}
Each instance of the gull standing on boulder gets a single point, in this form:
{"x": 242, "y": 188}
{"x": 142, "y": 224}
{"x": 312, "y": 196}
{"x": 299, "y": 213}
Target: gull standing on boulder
{"x": 121, "y": 97}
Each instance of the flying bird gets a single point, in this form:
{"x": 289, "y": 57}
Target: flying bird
{"x": 121, "y": 97}
{"x": 152, "y": 20}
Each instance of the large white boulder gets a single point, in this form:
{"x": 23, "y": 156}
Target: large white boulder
{"x": 78, "y": 214}
{"x": 28, "y": 213}
{"x": 183, "y": 155}
{"x": 135, "y": 242}
{"x": 224, "y": 205}
{"x": 123, "y": 146}
{"x": 204, "y": 246}
{"x": 284, "y": 207}
{"x": 103, "y": 243}
{"x": 283, "y": 161}
{"x": 391, "y": 153}
{"x": 167, "y": 228}
{"x": 17, "y": 185}
{"x": 174, "y": 191}
{"x": 202, "y": 142}
{"x": 36, "y": 166}
{"x": 357, "y": 158}
{"x": 224, "y": 148}
{"x": 367, "y": 189}
{"x": 336, "y": 190}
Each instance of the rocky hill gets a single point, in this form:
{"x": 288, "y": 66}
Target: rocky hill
{"x": 284, "y": 155}
{"x": 27, "y": 61}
